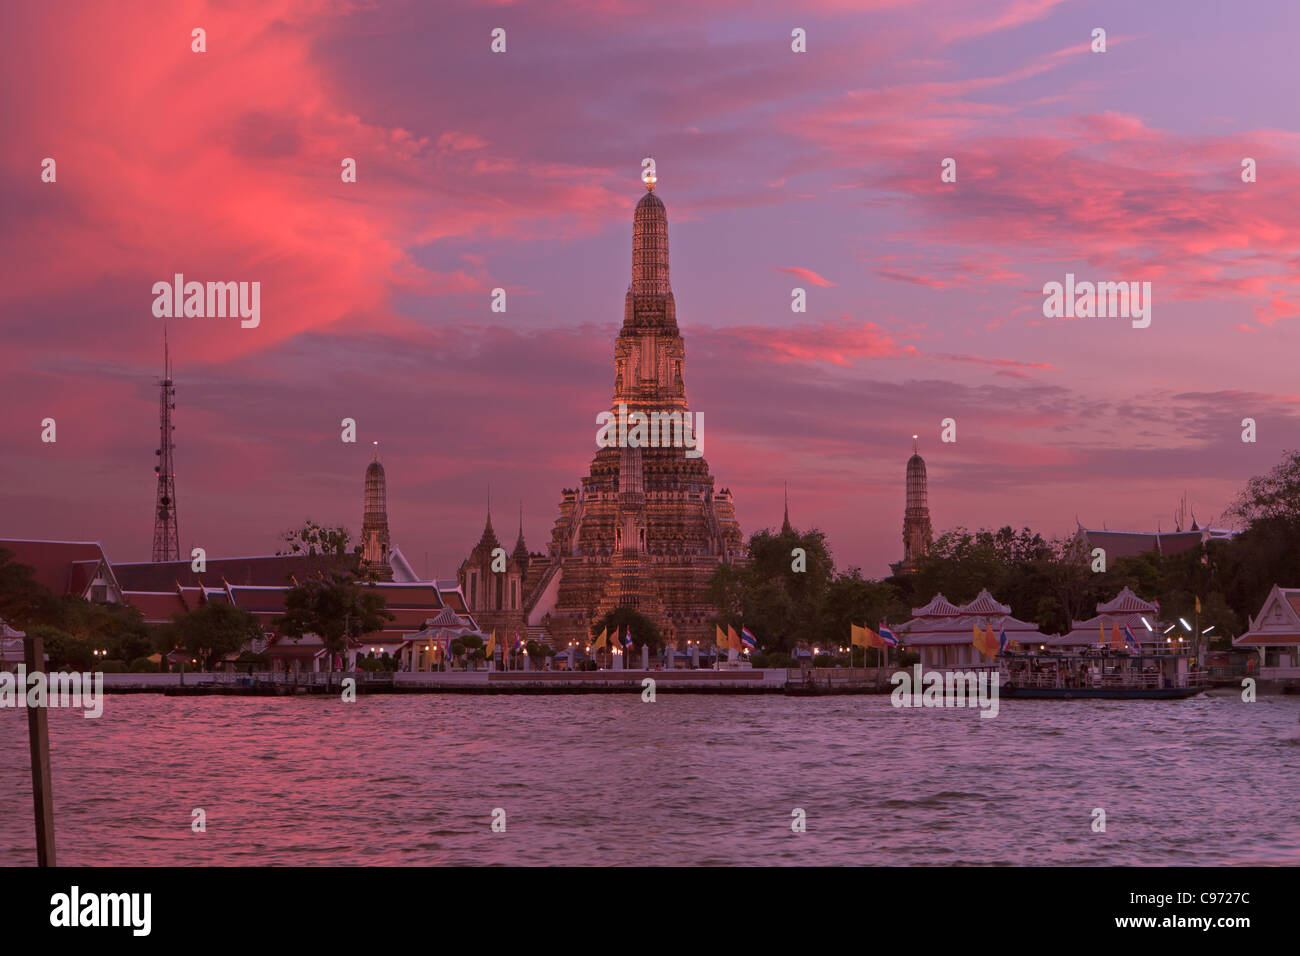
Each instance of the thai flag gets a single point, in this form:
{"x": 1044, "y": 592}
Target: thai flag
{"x": 748, "y": 639}
{"x": 517, "y": 642}
{"x": 627, "y": 638}
{"x": 1129, "y": 639}
{"x": 1003, "y": 640}
{"x": 888, "y": 636}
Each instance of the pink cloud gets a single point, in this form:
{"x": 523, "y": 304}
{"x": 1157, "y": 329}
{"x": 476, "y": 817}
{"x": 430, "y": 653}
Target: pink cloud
{"x": 805, "y": 275}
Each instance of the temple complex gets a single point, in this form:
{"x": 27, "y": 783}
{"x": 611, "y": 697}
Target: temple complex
{"x": 646, "y": 528}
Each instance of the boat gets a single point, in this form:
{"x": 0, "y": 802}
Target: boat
{"x": 1104, "y": 675}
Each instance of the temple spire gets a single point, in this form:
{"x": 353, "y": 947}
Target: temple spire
{"x": 916, "y": 514}
{"x": 521, "y": 549}
{"x": 785, "y": 525}
{"x": 375, "y": 540}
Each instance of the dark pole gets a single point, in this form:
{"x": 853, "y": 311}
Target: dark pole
{"x": 38, "y": 730}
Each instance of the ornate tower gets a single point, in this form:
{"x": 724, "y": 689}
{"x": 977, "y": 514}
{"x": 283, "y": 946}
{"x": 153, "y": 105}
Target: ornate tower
{"x": 375, "y": 543}
{"x": 916, "y": 517}
{"x": 166, "y": 536}
{"x": 647, "y": 527}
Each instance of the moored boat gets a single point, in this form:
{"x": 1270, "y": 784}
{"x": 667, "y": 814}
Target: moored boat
{"x": 1100, "y": 675}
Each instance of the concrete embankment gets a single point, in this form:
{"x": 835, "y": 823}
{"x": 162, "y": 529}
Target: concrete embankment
{"x": 756, "y": 681}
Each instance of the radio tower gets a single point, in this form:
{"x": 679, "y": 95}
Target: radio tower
{"x": 166, "y": 538}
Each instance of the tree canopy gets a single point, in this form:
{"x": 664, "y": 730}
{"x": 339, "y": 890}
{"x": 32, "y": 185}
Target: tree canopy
{"x": 335, "y": 607}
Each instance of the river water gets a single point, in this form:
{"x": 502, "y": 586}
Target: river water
{"x": 610, "y": 780}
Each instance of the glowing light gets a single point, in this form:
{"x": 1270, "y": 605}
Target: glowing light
{"x": 1148, "y": 624}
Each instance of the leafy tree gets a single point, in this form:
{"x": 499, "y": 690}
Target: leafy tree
{"x": 769, "y": 593}
{"x": 313, "y": 538}
{"x": 617, "y": 621}
{"x": 336, "y": 608}
{"x": 23, "y": 600}
{"x": 851, "y": 599}
{"x": 64, "y": 651}
{"x": 1271, "y": 496}
{"x": 118, "y": 629}
{"x": 211, "y": 631}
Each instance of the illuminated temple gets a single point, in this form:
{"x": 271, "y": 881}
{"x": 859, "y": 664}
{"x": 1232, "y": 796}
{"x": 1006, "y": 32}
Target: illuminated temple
{"x": 645, "y": 528}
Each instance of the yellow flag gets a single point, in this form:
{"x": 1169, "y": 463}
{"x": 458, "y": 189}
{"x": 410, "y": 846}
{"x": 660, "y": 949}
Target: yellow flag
{"x": 857, "y": 635}
{"x": 719, "y": 638}
{"x": 1198, "y": 604}
{"x": 1115, "y": 639}
{"x": 1102, "y": 628}
{"x": 600, "y": 641}
{"x": 990, "y": 642}
{"x": 492, "y": 644}
{"x": 733, "y": 639}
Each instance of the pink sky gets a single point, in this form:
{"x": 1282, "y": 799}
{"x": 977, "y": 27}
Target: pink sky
{"x": 520, "y": 170}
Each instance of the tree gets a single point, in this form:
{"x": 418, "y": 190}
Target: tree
{"x": 211, "y": 631}
{"x": 313, "y": 538}
{"x": 336, "y": 608}
{"x": 117, "y": 629}
{"x": 62, "y": 649}
{"x": 23, "y": 600}
{"x": 851, "y": 599}
{"x": 619, "y": 620}
{"x": 778, "y": 590}
{"x": 539, "y": 652}
{"x": 1275, "y": 495}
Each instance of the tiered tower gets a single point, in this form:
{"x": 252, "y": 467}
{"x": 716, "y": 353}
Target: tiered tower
{"x": 646, "y": 528}
{"x": 916, "y": 516}
{"x": 375, "y": 543}
{"x": 166, "y": 535}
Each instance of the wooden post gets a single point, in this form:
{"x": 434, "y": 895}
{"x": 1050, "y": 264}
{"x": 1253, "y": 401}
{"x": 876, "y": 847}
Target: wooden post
{"x": 38, "y": 731}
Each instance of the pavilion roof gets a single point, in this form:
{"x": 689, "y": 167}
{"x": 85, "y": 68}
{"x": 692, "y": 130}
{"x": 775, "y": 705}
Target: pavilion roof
{"x": 960, "y": 629}
{"x": 939, "y": 606}
{"x": 1278, "y": 621}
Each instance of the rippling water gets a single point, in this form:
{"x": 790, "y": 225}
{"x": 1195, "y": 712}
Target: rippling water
{"x": 687, "y": 780}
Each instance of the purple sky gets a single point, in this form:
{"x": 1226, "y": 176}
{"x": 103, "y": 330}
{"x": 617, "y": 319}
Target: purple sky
{"x": 520, "y": 170}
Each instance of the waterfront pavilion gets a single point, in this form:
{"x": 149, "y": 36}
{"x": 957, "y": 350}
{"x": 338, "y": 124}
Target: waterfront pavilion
{"x": 941, "y": 632}
{"x": 1126, "y": 609}
{"x": 1274, "y": 635}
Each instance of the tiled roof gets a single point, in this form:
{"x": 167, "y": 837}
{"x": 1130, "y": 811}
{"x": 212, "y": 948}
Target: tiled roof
{"x": 58, "y": 565}
{"x": 1278, "y": 621}
{"x": 985, "y": 604}
{"x": 262, "y": 570}
{"x": 1089, "y": 632}
{"x": 1127, "y": 544}
{"x": 960, "y": 630}
{"x": 157, "y": 607}
{"x": 1126, "y": 602}
{"x": 939, "y": 606}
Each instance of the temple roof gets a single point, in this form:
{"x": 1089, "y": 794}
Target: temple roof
{"x": 985, "y": 604}
{"x": 65, "y": 567}
{"x": 939, "y": 606}
{"x": 1126, "y": 602}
